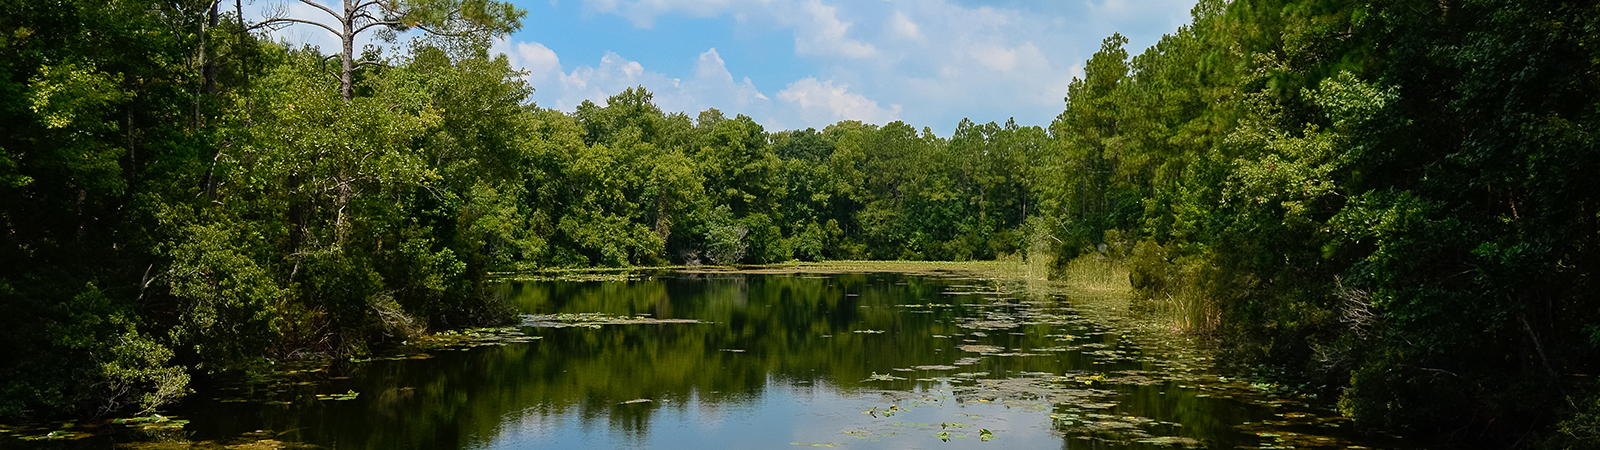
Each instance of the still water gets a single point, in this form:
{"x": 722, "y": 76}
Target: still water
{"x": 764, "y": 361}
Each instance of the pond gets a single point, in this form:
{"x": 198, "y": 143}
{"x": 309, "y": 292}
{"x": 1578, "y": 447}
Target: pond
{"x": 763, "y": 360}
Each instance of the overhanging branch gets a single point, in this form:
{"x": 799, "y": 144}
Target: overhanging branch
{"x": 374, "y": 24}
{"x": 380, "y": 3}
{"x": 291, "y": 20}
{"x": 441, "y": 33}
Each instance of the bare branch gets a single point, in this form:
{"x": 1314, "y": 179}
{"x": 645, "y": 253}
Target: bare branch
{"x": 380, "y": 3}
{"x": 1356, "y": 311}
{"x": 145, "y": 283}
{"x": 374, "y": 24}
{"x": 270, "y": 22}
{"x": 324, "y": 65}
{"x": 366, "y": 15}
{"x": 324, "y": 9}
{"x": 441, "y": 33}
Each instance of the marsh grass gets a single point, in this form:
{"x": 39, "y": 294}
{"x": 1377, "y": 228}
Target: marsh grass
{"x": 1096, "y": 273}
{"x": 1188, "y": 310}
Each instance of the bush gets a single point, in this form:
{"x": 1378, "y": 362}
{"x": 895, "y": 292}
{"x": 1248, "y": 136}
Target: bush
{"x": 766, "y": 242}
{"x": 811, "y": 243}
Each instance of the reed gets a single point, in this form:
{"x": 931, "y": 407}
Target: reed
{"x": 1096, "y": 272}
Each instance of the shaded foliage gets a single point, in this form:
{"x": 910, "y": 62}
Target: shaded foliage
{"x": 1385, "y": 201}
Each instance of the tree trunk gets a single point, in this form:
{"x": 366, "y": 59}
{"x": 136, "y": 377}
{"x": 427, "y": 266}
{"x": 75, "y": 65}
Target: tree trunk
{"x": 209, "y": 70}
{"x": 244, "y": 63}
{"x": 202, "y": 60}
{"x": 347, "y": 59}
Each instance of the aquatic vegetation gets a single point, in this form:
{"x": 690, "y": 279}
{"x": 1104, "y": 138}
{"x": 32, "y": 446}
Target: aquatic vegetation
{"x": 883, "y": 377}
{"x": 593, "y": 320}
{"x": 468, "y": 338}
{"x": 348, "y": 395}
{"x": 57, "y": 435}
{"x": 974, "y": 348}
{"x": 254, "y": 440}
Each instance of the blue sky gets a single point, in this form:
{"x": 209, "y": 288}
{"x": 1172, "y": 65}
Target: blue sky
{"x": 793, "y": 64}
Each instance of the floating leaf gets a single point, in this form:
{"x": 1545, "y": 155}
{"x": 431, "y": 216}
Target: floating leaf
{"x": 154, "y": 418}
{"x": 883, "y": 377}
{"x": 348, "y": 395}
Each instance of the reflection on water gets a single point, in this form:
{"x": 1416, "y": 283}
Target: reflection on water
{"x": 853, "y": 360}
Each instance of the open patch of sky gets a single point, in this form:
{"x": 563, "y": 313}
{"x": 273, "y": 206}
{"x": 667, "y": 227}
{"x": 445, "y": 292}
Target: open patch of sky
{"x": 793, "y": 64}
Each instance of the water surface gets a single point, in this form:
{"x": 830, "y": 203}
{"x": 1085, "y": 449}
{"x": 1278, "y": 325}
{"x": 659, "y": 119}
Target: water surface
{"x": 860, "y": 361}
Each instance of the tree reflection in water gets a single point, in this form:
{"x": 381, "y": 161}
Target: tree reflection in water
{"x": 857, "y": 360}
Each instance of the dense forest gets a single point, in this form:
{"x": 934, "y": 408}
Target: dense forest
{"x": 1392, "y": 203}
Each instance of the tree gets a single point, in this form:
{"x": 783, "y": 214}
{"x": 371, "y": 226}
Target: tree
{"x": 473, "y": 19}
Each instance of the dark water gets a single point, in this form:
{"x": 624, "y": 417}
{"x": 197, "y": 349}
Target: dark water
{"x": 856, "y": 360}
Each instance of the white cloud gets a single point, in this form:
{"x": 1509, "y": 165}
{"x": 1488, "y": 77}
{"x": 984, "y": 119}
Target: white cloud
{"x": 713, "y": 87}
{"x": 904, "y": 27}
{"x": 539, "y": 61}
{"x": 643, "y": 12}
{"x": 806, "y": 103}
{"x": 995, "y": 57}
{"x": 1112, "y": 8}
{"x": 596, "y": 83}
{"x": 711, "y": 66}
{"x": 818, "y": 30}
{"x": 824, "y": 34}
{"x": 1141, "y": 18}
{"x": 822, "y": 102}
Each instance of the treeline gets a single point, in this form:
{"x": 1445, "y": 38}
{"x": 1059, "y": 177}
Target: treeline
{"x": 626, "y": 185}
{"x": 1390, "y": 202}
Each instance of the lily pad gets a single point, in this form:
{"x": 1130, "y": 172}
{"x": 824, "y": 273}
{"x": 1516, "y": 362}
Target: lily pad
{"x": 348, "y": 395}
{"x": 883, "y": 377}
{"x": 980, "y": 348}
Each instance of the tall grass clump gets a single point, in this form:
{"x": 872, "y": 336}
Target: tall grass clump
{"x": 1096, "y": 268}
{"x": 1181, "y": 288}
{"x": 1096, "y": 272}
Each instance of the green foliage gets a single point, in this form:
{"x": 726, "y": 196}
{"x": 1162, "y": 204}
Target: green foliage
{"x": 1382, "y": 198}
{"x": 766, "y": 242}
{"x": 1582, "y": 429}
{"x": 811, "y": 243}
{"x": 724, "y": 238}
{"x": 138, "y": 366}
{"x": 229, "y": 301}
